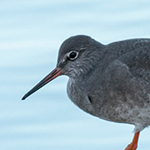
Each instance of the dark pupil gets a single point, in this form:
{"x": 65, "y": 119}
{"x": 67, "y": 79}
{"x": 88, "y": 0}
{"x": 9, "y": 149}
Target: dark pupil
{"x": 73, "y": 54}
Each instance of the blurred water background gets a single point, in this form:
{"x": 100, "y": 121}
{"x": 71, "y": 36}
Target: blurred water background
{"x": 31, "y": 32}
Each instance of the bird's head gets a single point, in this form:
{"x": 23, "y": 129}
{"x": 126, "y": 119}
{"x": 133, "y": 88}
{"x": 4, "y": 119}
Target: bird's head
{"x": 77, "y": 56}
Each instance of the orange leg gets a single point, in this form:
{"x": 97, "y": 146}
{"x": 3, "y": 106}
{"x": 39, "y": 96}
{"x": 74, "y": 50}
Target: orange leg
{"x": 134, "y": 142}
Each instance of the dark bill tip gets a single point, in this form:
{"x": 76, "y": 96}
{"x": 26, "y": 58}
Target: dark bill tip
{"x": 55, "y": 73}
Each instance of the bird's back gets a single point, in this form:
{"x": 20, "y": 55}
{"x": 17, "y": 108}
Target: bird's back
{"x": 134, "y": 53}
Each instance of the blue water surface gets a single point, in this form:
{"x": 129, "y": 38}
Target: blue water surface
{"x": 31, "y": 32}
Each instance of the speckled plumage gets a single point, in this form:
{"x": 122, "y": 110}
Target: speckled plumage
{"x": 110, "y": 81}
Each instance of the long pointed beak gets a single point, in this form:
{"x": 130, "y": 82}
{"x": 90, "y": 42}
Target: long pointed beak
{"x": 55, "y": 73}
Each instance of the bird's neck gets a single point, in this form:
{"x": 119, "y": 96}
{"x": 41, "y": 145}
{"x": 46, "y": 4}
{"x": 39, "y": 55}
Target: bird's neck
{"x": 78, "y": 95}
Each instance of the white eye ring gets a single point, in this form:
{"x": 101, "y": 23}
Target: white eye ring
{"x": 72, "y": 55}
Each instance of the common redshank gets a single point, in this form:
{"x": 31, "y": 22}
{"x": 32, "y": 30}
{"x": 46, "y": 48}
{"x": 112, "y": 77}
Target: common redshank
{"x": 110, "y": 81}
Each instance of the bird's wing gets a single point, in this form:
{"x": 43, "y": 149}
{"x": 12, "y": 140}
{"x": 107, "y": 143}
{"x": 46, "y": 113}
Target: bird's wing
{"x": 123, "y": 75}
{"x": 138, "y": 62}
{"x": 128, "y": 75}
{"x": 118, "y": 85}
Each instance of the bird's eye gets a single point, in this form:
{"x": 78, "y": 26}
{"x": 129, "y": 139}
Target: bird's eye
{"x": 73, "y": 55}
